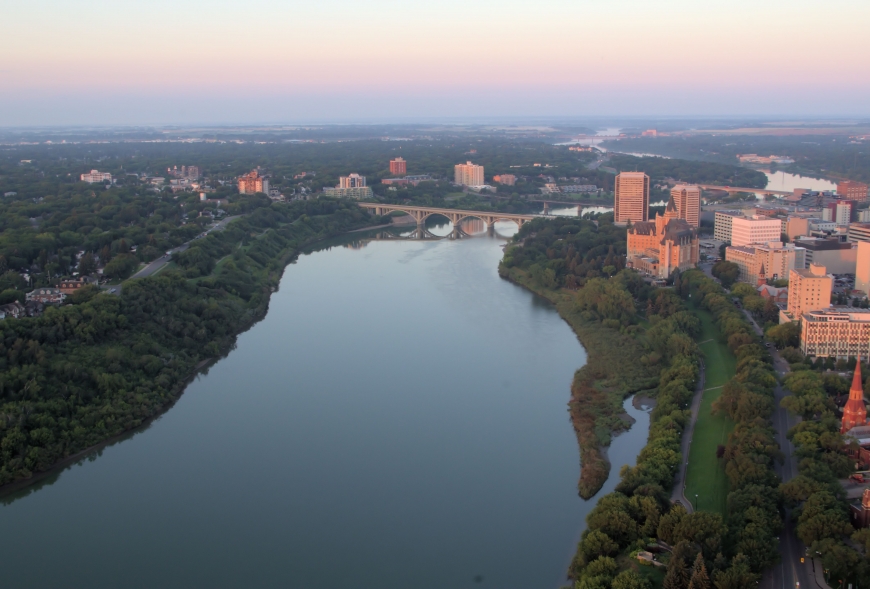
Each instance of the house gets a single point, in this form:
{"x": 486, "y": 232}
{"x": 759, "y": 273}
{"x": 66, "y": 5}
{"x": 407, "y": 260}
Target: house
{"x": 46, "y": 295}
{"x": 13, "y": 310}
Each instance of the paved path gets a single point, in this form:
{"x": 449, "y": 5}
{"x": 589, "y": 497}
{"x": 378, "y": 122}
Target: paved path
{"x": 678, "y": 494}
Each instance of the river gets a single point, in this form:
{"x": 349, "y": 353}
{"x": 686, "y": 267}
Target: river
{"x": 398, "y": 419}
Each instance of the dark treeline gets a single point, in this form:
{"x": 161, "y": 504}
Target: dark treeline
{"x": 822, "y": 155}
{"x": 82, "y": 373}
{"x": 693, "y": 172}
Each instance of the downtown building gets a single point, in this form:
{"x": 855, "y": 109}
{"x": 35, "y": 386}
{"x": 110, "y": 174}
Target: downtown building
{"x": 852, "y": 190}
{"x": 687, "y": 199}
{"x": 631, "y": 198}
{"x": 468, "y": 174}
{"x": 836, "y": 332}
{"x": 760, "y": 261}
{"x": 664, "y": 245}
{"x": 809, "y": 289}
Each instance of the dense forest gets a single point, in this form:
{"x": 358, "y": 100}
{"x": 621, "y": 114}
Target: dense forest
{"x": 82, "y": 373}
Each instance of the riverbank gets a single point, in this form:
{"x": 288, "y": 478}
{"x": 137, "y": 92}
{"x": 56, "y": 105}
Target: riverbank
{"x": 598, "y": 388}
{"x": 108, "y": 366}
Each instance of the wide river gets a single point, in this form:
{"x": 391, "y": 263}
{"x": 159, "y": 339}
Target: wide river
{"x": 397, "y": 420}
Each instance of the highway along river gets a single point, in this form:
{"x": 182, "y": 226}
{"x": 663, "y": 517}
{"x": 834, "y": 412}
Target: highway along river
{"x": 397, "y": 420}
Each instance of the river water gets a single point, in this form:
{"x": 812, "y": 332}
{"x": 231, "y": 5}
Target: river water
{"x": 397, "y": 420}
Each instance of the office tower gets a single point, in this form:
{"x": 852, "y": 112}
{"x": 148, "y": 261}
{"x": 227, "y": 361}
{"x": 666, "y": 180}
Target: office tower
{"x": 398, "y": 167}
{"x": 688, "y": 202}
{"x": 468, "y": 174}
{"x": 631, "y": 198}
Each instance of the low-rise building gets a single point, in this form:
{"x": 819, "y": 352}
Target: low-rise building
{"x": 836, "y": 332}
{"x": 778, "y": 294}
{"x": 580, "y": 188}
{"x": 360, "y": 192}
{"x": 46, "y": 295}
{"x": 506, "y": 179}
{"x": 95, "y": 177}
{"x": 839, "y": 257}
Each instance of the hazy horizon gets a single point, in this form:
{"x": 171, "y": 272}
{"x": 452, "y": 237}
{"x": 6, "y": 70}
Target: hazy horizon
{"x": 266, "y": 62}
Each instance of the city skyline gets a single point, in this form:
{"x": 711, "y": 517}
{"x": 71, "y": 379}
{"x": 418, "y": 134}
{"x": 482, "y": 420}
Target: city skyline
{"x": 176, "y": 63}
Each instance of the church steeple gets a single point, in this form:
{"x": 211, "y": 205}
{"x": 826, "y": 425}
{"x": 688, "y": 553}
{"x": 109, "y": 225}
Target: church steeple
{"x": 855, "y": 413}
{"x": 762, "y": 280}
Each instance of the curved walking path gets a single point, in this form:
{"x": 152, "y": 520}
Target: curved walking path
{"x": 678, "y": 494}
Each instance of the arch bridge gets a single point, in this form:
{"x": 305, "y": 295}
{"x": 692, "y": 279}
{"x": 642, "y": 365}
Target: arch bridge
{"x": 420, "y": 214}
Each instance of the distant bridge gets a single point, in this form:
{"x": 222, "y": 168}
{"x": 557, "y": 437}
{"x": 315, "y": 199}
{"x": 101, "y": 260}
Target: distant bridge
{"x": 744, "y": 189}
{"x": 420, "y": 214}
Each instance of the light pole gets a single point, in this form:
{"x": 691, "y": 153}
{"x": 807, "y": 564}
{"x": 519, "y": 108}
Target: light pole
{"x": 696, "y": 501}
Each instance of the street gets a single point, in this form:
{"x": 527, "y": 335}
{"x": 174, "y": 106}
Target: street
{"x": 157, "y": 265}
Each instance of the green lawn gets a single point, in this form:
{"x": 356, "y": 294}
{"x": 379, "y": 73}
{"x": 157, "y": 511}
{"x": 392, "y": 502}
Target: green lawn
{"x": 706, "y": 476}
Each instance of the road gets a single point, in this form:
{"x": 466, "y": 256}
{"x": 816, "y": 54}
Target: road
{"x": 158, "y": 264}
{"x": 790, "y": 569}
{"x": 678, "y": 494}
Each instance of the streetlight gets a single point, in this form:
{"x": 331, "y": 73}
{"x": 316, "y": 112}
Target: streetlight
{"x": 696, "y": 501}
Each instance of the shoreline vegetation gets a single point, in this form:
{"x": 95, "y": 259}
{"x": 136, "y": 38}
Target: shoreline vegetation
{"x": 80, "y": 375}
{"x": 617, "y": 316}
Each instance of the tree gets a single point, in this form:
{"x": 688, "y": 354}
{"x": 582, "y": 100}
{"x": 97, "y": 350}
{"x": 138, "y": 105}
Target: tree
{"x": 87, "y": 264}
{"x": 630, "y": 580}
{"x": 677, "y": 576}
{"x": 736, "y": 576}
{"x": 700, "y": 579}
{"x": 726, "y": 272}
{"x": 786, "y": 335}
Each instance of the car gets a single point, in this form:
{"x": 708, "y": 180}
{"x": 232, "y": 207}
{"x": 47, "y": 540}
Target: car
{"x": 114, "y": 290}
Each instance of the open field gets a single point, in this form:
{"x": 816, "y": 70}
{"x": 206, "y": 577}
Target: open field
{"x": 706, "y": 476}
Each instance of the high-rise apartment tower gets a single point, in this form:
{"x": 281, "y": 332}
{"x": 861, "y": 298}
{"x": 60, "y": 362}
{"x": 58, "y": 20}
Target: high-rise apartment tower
{"x": 398, "y": 167}
{"x": 468, "y": 174}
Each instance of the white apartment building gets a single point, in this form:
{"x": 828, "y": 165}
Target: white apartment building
{"x": 95, "y": 176}
{"x": 468, "y": 174}
{"x": 755, "y": 229}
{"x": 351, "y": 181}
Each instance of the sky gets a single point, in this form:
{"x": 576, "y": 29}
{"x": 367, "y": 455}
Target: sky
{"x": 119, "y": 62}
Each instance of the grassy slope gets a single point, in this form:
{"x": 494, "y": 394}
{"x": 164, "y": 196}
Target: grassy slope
{"x": 705, "y": 475}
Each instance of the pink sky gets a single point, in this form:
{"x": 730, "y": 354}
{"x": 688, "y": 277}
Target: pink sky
{"x": 65, "y": 62}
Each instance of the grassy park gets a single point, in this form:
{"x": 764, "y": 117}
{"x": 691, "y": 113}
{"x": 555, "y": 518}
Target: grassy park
{"x": 705, "y": 476}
